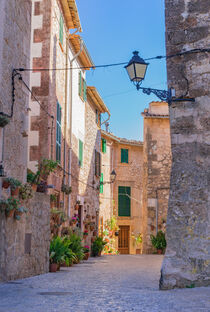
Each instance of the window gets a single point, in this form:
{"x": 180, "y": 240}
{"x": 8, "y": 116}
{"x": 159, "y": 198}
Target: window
{"x": 58, "y": 133}
{"x": 124, "y": 155}
{"x": 101, "y": 183}
{"x": 97, "y": 164}
{"x": 80, "y": 153}
{"x": 124, "y": 202}
{"x": 96, "y": 116}
{"x": 61, "y": 30}
{"x": 104, "y": 146}
{"x": 82, "y": 87}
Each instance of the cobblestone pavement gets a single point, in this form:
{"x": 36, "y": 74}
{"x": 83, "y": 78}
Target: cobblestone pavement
{"x": 105, "y": 284}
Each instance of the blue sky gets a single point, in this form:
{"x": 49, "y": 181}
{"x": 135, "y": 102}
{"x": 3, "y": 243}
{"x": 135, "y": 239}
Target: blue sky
{"x": 112, "y": 29}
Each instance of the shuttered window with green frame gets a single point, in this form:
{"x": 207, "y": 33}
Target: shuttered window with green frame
{"x": 58, "y": 133}
{"x": 124, "y": 202}
{"x": 124, "y": 155}
{"x": 61, "y": 30}
{"x": 82, "y": 87}
{"x": 104, "y": 146}
{"x": 101, "y": 183}
{"x": 80, "y": 153}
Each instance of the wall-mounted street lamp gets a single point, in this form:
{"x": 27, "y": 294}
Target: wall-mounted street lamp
{"x": 112, "y": 178}
{"x": 136, "y": 70}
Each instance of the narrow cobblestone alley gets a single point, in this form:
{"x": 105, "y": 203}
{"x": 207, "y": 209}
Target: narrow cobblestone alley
{"x": 105, "y": 284}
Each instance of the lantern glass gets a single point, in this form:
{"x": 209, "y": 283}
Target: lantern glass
{"x": 136, "y": 68}
{"x": 113, "y": 176}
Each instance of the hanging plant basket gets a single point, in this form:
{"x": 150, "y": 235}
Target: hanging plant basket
{"x": 3, "y": 121}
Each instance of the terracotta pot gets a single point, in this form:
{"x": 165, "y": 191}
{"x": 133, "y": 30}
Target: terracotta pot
{"x": 92, "y": 239}
{"x": 94, "y": 233}
{"x": 159, "y": 251}
{"x": 34, "y": 187}
{"x": 53, "y": 267}
{"x": 5, "y": 184}
{"x": 85, "y": 236}
{"x": 15, "y": 192}
{"x": 76, "y": 207}
{"x": 99, "y": 253}
{"x": 92, "y": 228}
{"x": 10, "y": 214}
{"x": 17, "y": 213}
{"x": 86, "y": 256}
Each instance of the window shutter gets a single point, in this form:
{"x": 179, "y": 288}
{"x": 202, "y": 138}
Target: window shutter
{"x": 104, "y": 146}
{"x": 84, "y": 91}
{"x": 58, "y": 133}
{"x": 80, "y": 153}
{"x": 96, "y": 116}
{"x": 124, "y": 201}
{"x": 97, "y": 164}
{"x": 124, "y": 155}
{"x": 101, "y": 183}
{"x": 61, "y": 30}
{"x": 80, "y": 83}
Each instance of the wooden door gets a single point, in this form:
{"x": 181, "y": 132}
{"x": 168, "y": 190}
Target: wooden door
{"x": 123, "y": 240}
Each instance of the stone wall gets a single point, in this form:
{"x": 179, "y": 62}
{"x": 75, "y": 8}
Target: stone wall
{"x": 15, "y": 29}
{"x": 25, "y": 251}
{"x": 188, "y": 251}
{"x": 157, "y": 167}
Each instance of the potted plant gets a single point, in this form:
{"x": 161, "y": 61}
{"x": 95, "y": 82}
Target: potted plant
{"x": 11, "y": 205}
{"x": 57, "y": 253}
{"x": 19, "y": 211}
{"x": 98, "y": 246}
{"x": 31, "y": 179}
{"x": 3, "y": 121}
{"x": 85, "y": 234}
{"x": 14, "y": 185}
{"x": 25, "y": 191}
{"x": 5, "y": 183}
{"x": 66, "y": 189}
{"x": 159, "y": 241}
{"x": 86, "y": 249}
{"x": 45, "y": 167}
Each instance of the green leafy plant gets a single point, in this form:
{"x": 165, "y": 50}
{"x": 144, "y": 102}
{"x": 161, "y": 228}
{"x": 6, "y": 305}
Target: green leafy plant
{"x": 53, "y": 198}
{"x": 57, "y": 250}
{"x": 98, "y": 246}
{"x": 76, "y": 245}
{"x": 14, "y": 183}
{"x": 25, "y": 191}
{"x": 66, "y": 189}
{"x": 158, "y": 241}
{"x": 3, "y": 121}
{"x": 19, "y": 211}
{"x": 31, "y": 177}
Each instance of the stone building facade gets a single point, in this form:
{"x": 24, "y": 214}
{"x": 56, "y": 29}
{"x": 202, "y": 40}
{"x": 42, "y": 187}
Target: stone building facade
{"x": 24, "y": 244}
{"x": 188, "y": 252}
{"x": 157, "y": 169}
{"x": 123, "y": 197}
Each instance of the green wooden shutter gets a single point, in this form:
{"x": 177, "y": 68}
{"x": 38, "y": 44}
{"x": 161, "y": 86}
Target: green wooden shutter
{"x": 101, "y": 183}
{"x": 80, "y": 153}
{"x": 124, "y": 155}
{"x": 104, "y": 146}
{"x": 84, "y": 90}
{"x": 124, "y": 206}
{"x": 58, "y": 133}
{"x": 61, "y": 30}
{"x": 96, "y": 116}
{"x": 80, "y": 83}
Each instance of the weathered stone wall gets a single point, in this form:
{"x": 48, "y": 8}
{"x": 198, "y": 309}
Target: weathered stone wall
{"x": 188, "y": 250}
{"x": 15, "y": 29}
{"x": 157, "y": 167}
{"x": 14, "y": 261}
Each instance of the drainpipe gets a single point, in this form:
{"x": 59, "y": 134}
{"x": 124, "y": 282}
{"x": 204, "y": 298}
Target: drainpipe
{"x": 106, "y": 119}
{"x": 70, "y": 112}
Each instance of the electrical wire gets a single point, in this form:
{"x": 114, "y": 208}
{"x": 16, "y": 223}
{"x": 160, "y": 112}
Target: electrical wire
{"x": 158, "y": 57}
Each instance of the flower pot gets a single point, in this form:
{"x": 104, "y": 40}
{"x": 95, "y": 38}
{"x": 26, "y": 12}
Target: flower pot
{"x": 10, "y": 213}
{"x": 92, "y": 239}
{"x": 85, "y": 236}
{"x": 5, "y": 184}
{"x": 76, "y": 206}
{"x": 94, "y": 233}
{"x": 42, "y": 187}
{"x": 159, "y": 251}
{"x": 34, "y": 187}
{"x": 86, "y": 256}
{"x": 92, "y": 228}
{"x": 99, "y": 254}
{"x": 53, "y": 267}
{"x": 15, "y": 192}
{"x": 17, "y": 214}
